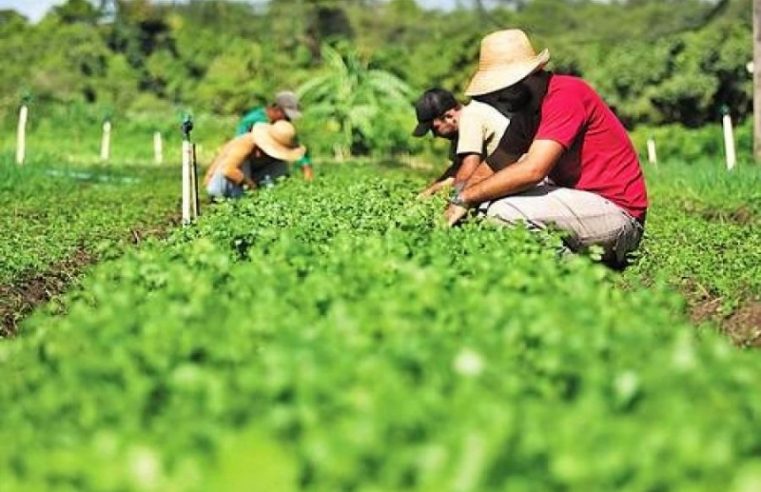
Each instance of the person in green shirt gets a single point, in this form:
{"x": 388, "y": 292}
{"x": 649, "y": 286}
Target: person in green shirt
{"x": 285, "y": 107}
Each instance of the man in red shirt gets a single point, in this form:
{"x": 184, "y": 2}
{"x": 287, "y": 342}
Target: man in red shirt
{"x": 566, "y": 160}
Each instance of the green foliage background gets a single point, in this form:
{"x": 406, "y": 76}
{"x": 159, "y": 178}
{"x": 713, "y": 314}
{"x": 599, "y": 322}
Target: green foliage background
{"x": 656, "y": 62}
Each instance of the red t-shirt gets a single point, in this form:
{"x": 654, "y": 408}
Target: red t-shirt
{"x": 599, "y": 156}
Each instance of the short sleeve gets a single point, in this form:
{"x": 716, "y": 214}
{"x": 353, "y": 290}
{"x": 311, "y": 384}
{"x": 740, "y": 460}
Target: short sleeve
{"x": 257, "y": 115}
{"x": 471, "y": 129}
{"x": 562, "y": 119}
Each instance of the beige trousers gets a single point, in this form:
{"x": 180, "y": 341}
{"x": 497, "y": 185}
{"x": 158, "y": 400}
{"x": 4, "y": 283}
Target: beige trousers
{"x": 588, "y": 218}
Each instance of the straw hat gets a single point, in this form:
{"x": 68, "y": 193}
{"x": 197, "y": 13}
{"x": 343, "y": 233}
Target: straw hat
{"x": 278, "y": 140}
{"x": 506, "y": 58}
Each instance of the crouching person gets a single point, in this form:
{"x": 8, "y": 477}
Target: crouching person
{"x": 474, "y": 131}
{"x": 580, "y": 172}
{"x": 252, "y": 160}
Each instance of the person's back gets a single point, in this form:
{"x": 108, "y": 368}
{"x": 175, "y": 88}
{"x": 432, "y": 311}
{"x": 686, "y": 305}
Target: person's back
{"x": 252, "y": 117}
{"x": 480, "y": 129}
{"x": 231, "y": 158}
{"x": 599, "y": 156}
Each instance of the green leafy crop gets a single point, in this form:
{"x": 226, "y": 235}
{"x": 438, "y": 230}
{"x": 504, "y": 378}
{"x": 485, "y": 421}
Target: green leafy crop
{"x": 333, "y": 336}
{"x": 49, "y": 213}
{"x": 704, "y": 232}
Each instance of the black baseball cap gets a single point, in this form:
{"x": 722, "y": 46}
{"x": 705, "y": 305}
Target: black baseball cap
{"x": 432, "y": 104}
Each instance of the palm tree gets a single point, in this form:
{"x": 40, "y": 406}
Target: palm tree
{"x": 354, "y": 97}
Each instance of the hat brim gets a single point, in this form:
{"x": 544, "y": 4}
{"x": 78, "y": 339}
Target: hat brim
{"x": 421, "y": 129}
{"x": 292, "y": 114}
{"x": 494, "y": 79}
{"x": 272, "y": 147}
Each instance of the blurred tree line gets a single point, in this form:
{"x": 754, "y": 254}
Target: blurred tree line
{"x": 654, "y": 61}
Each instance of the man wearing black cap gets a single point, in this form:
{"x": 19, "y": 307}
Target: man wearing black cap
{"x": 474, "y": 130}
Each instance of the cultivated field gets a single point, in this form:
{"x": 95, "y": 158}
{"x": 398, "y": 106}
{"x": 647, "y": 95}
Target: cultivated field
{"x": 334, "y": 336}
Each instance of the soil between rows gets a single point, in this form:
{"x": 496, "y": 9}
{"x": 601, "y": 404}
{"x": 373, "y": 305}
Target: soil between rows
{"x": 742, "y": 326}
{"x": 27, "y": 291}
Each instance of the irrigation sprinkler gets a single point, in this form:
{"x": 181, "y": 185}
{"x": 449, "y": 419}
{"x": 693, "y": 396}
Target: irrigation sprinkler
{"x": 729, "y": 139}
{"x": 21, "y": 134}
{"x": 190, "y": 205}
{"x": 105, "y": 143}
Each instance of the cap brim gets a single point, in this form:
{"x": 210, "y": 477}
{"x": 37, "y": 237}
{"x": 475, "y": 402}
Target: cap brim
{"x": 292, "y": 114}
{"x": 486, "y": 81}
{"x": 421, "y": 129}
{"x": 274, "y": 149}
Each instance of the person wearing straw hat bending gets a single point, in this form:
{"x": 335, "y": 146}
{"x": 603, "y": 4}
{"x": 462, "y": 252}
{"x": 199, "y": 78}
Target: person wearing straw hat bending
{"x": 474, "y": 130}
{"x": 253, "y": 159}
{"x": 285, "y": 107}
{"x": 580, "y": 172}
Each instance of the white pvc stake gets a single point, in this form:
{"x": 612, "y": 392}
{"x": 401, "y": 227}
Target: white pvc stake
{"x": 21, "y": 135}
{"x": 105, "y": 143}
{"x": 651, "y": 154}
{"x": 158, "y": 148}
{"x": 729, "y": 142}
{"x": 187, "y": 156}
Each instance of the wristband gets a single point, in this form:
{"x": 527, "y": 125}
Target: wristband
{"x": 456, "y": 199}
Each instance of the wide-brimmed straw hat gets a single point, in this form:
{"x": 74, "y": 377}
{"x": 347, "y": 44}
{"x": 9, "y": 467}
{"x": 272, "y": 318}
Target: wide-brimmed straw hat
{"x": 506, "y": 58}
{"x": 278, "y": 140}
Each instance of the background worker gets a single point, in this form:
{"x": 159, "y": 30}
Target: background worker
{"x": 285, "y": 107}
{"x": 253, "y": 159}
{"x": 474, "y": 130}
{"x": 568, "y": 134}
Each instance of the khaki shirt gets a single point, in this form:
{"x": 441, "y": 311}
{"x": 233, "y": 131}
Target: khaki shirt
{"x": 480, "y": 129}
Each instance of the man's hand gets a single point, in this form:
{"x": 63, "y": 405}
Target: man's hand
{"x": 427, "y": 193}
{"x": 307, "y": 172}
{"x": 250, "y": 183}
{"x": 454, "y": 213}
{"x": 435, "y": 188}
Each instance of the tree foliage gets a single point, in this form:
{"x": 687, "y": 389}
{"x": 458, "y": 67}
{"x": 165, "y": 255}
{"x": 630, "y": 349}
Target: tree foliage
{"x": 355, "y": 100}
{"x": 654, "y": 61}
